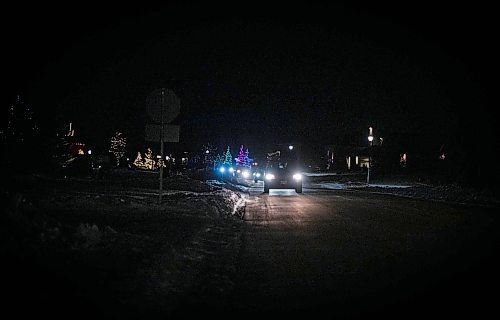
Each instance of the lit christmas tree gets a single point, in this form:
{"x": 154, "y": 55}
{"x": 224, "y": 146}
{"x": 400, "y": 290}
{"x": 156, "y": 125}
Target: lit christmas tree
{"x": 149, "y": 162}
{"x": 243, "y": 159}
{"x": 240, "y": 160}
{"x": 218, "y": 160}
{"x": 160, "y": 163}
{"x": 118, "y": 144}
{"x": 21, "y": 125}
{"x": 228, "y": 158}
{"x": 138, "y": 162}
{"x": 247, "y": 161}
{"x": 209, "y": 153}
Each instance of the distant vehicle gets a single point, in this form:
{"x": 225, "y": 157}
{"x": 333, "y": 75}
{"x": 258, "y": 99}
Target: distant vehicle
{"x": 257, "y": 175}
{"x": 242, "y": 172}
{"x": 282, "y": 174}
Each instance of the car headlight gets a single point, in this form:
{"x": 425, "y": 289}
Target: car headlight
{"x": 257, "y": 175}
{"x": 297, "y": 176}
{"x": 269, "y": 176}
{"x": 231, "y": 169}
{"x": 245, "y": 174}
{"x": 222, "y": 169}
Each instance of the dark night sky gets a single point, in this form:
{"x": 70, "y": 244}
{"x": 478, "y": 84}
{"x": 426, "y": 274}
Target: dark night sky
{"x": 257, "y": 74}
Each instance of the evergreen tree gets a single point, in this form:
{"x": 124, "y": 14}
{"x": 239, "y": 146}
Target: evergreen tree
{"x": 247, "y": 161}
{"x": 218, "y": 160}
{"x": 228, "y": 158}
{"x": 138, "y": 162}
{"x": 19, "y": 136}
{"x": 21, "y": 124}
{"x": 117, "y": 147}
{"x": 240, "y": 160}
{"x": 209, "y": 154}
{"x": 149, "y": 162}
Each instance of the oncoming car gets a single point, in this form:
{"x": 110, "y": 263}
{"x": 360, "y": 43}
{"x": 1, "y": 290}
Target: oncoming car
{"x": 242, "y": 173}
{"x": 257, "y": 175}
{"x": 282, "y": 175}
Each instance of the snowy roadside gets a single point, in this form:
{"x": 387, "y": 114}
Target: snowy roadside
{"x": 452, "y": 193}
{"x": 239, "y": 185}
{"x": 116, "y": 243}
{"x": 80, "y": 217}
{"x": 220, "y": 202}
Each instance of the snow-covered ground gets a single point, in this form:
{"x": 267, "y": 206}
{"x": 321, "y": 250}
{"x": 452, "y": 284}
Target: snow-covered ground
{"x": 114, "y": 242}
{"x": 405, "y": 188}
{"x": 348, "y": 186}
{"x": 318, "y": 174}
{"x": 112, "y": 235}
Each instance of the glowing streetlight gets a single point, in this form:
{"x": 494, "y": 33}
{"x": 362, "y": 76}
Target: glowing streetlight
{"x": 290, "y": 147}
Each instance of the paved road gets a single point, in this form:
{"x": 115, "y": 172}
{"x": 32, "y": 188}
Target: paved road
{"x": 324, "y": 252}
{"x": 349, "y": 254}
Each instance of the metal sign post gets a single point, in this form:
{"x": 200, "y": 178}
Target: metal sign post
{"x": 163, "y": 107}
{"x": 161, "y": 146}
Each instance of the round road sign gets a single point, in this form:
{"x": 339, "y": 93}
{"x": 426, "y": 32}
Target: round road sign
{"x": 163, "y": 105}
